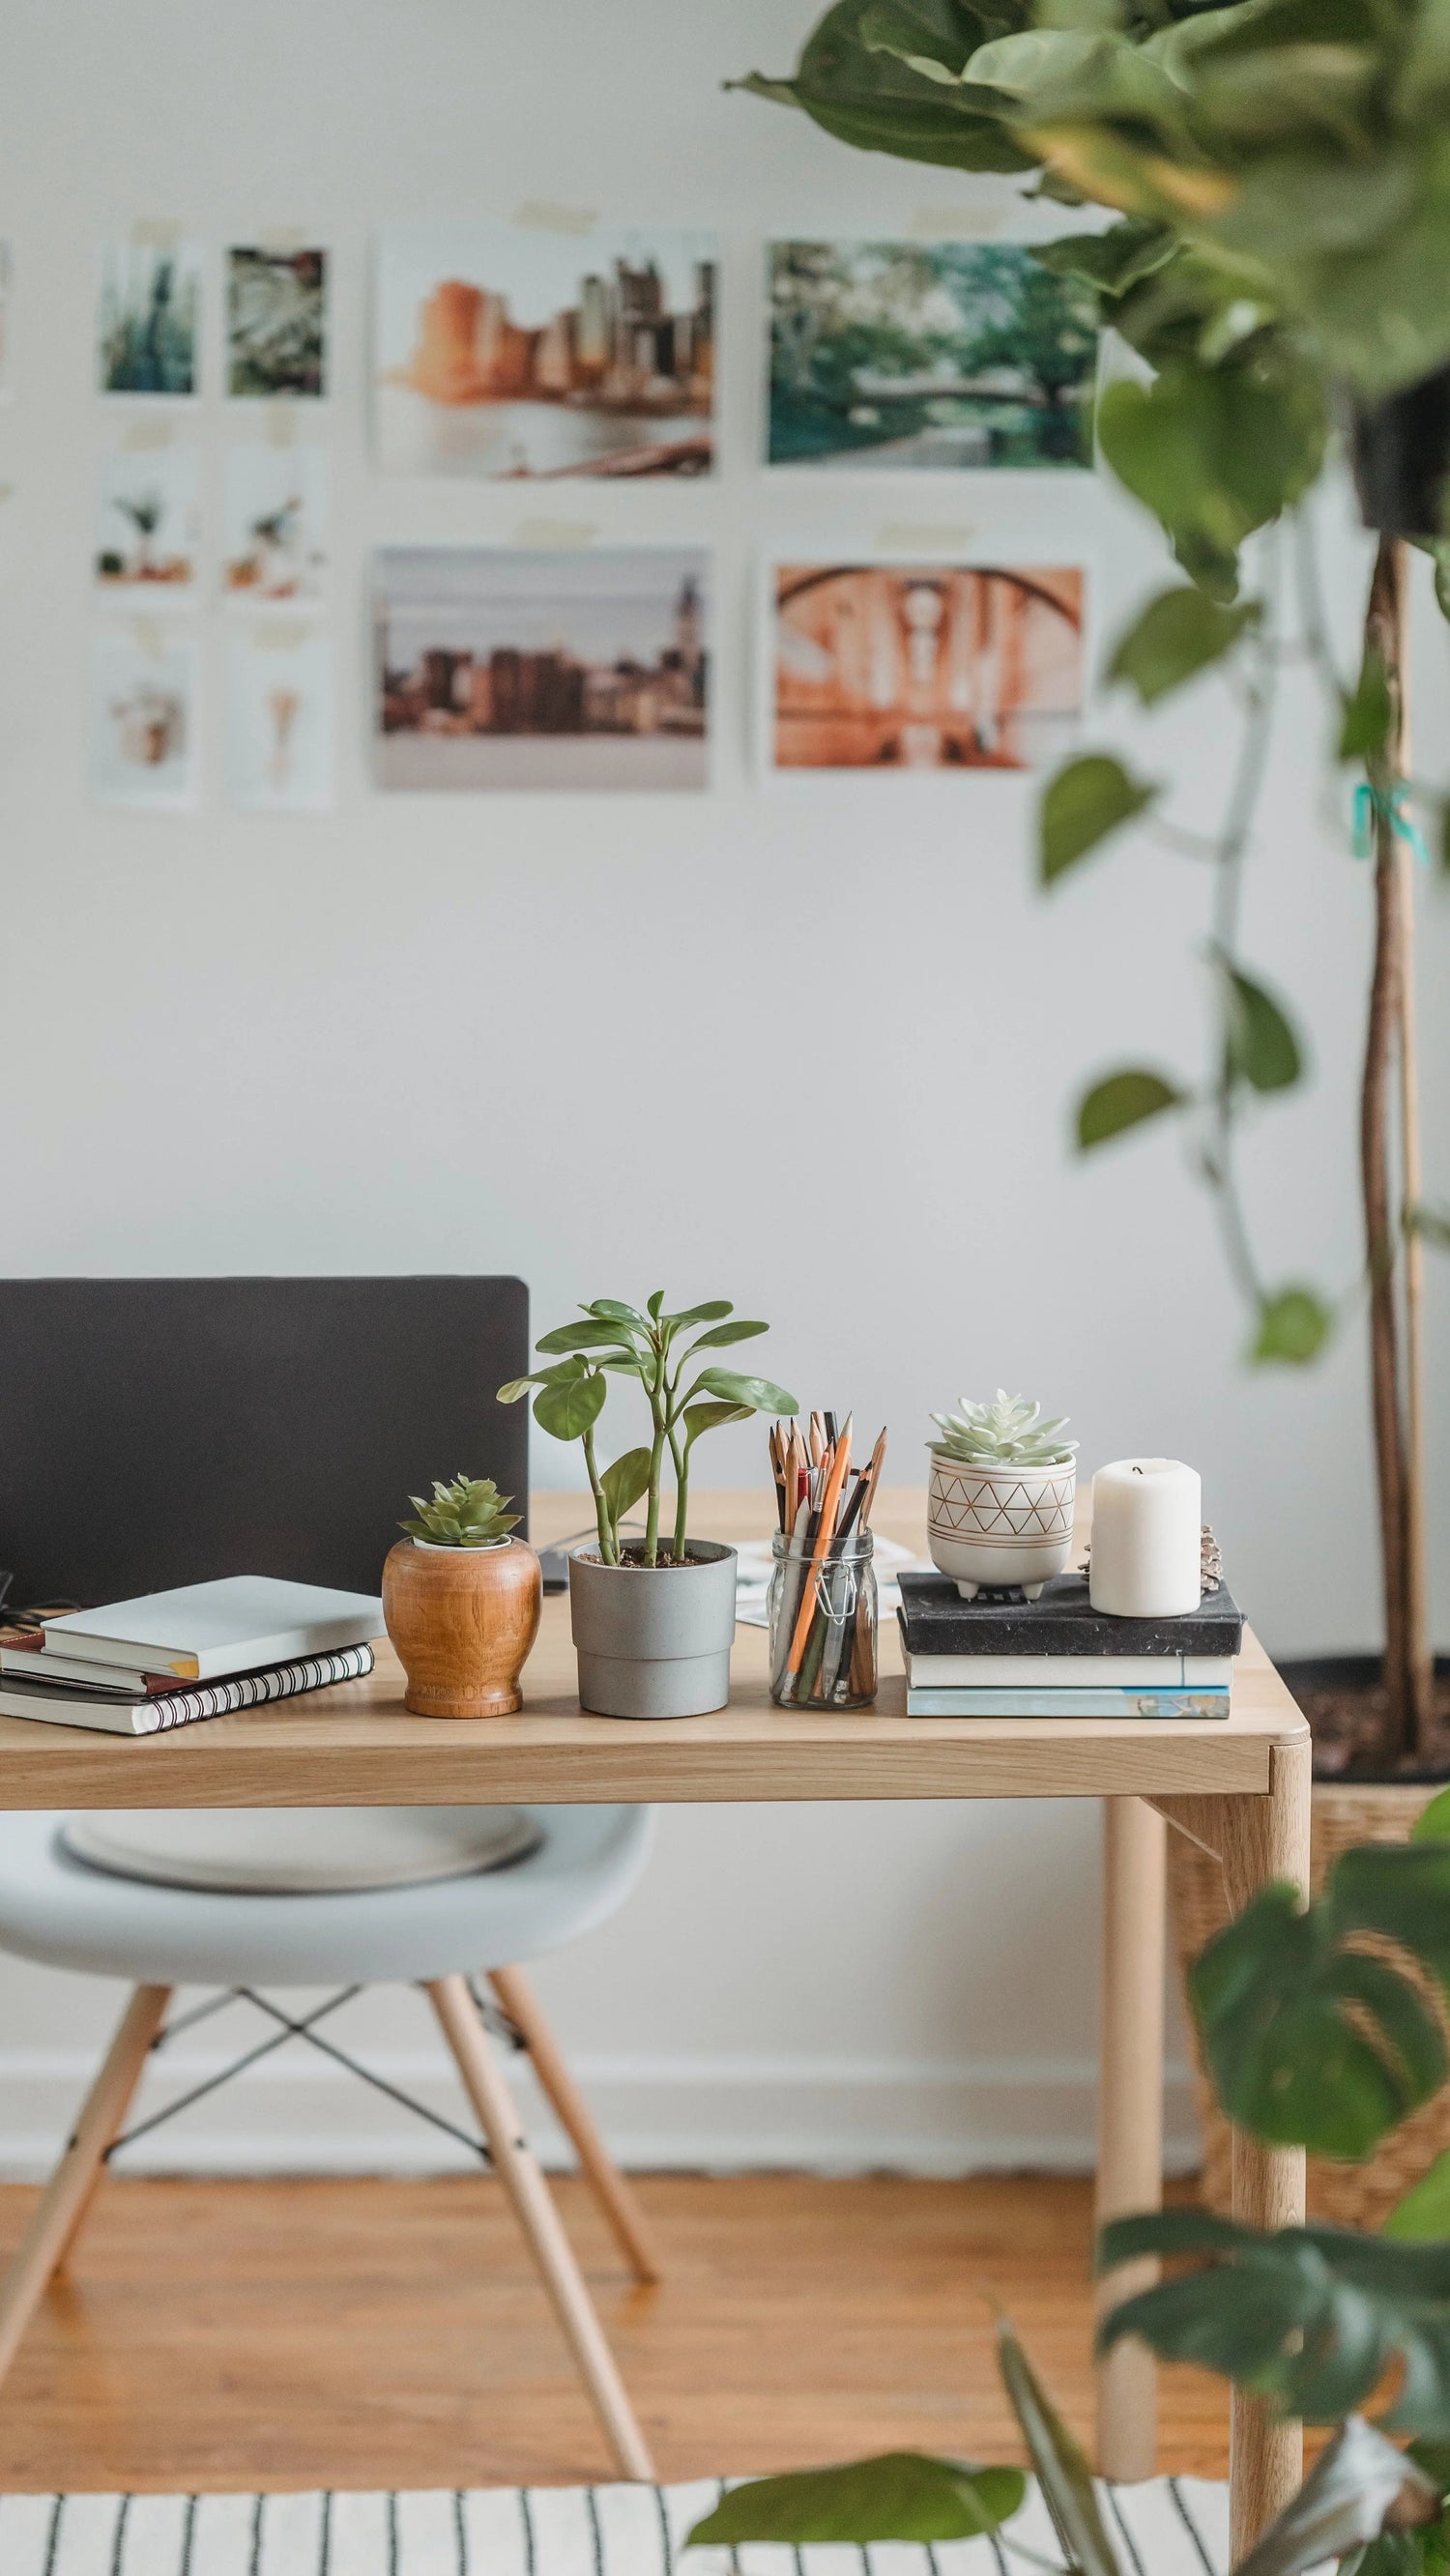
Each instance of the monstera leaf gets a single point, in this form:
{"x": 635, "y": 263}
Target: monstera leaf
{"x": 1311, "y": 2318}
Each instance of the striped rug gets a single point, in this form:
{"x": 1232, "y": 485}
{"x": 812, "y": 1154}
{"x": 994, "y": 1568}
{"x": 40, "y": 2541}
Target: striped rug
{"x": 1167, "y": 2527}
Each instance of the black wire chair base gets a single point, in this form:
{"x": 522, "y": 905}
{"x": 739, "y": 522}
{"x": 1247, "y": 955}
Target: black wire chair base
{"x": 497, "y": 2022}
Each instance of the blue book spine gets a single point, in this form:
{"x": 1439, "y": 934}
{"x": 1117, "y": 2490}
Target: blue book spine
{"x": 1099, "y": 1701}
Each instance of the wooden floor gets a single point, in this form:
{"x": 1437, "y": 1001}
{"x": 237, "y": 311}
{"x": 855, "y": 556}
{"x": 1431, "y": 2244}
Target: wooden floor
{"x": 367, "y": 2334}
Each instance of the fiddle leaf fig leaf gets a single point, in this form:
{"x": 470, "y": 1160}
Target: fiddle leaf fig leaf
{"x": 1123, "y": 1100}
{"x": 1085, "y": 801}
{"x": 710, "y": 1417}
{"x": 624, "y": 1482}
{"x": 755, "y": 1394}
{"x": 1260, "y": 1046}
{"x": 592, "y": 1332}
{"x": 902, "y": 2495}
{"x": 567, "y": 1410}
{"x": 741, "y": 1330}
{"x": 1294, "y": 1324}
{"x": 1178, "y": 634}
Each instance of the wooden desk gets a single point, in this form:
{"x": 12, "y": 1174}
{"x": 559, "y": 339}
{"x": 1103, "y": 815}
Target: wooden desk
{"x": 1240, "y": 1787}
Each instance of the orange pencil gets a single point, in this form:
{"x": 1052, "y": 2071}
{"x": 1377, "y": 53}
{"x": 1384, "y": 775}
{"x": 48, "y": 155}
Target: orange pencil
{"x": 830, "y": 1501}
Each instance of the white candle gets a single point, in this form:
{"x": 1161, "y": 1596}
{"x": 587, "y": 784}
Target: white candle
{"x": 1146, "y": 1539}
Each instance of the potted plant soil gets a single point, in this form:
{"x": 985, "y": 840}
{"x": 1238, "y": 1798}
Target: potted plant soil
{"x": 1276, "y": 256}
{"x": 1000, "y": 1496}
{"x": 653, "y": 1619}
{"x": 461, "y": 1600}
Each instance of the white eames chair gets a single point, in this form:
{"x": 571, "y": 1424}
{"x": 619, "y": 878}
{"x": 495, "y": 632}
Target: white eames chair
{"x": 439, "y": 1933}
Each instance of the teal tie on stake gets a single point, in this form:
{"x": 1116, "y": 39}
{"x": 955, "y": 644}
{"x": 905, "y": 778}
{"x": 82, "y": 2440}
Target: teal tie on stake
{"x": 1393, "y": 803}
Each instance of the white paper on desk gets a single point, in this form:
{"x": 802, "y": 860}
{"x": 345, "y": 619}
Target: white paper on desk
{"x": 756, "y": 1556}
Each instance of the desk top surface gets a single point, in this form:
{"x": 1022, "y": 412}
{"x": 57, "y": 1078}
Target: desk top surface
{"x": 356, "y": 1745}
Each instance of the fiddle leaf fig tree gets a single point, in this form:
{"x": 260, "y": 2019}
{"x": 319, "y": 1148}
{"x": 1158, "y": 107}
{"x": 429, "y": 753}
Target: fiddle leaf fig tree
{"x": 1277, "y": 174}
{"x": 659, "y": 1350}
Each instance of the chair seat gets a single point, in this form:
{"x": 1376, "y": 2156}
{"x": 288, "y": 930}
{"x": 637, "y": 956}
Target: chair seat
{"x": 298, "y": 1851}
{"x": 56, "y": 1908}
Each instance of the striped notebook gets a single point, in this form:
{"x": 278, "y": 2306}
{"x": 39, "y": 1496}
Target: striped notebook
{"x": 118, "y": 1712}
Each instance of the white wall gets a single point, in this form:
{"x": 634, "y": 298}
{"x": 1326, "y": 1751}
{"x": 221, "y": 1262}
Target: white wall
{"x": 540, "y": 1035}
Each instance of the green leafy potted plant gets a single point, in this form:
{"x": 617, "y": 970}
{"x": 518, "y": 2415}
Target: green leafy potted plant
{"x": 1279, "y": 261}
{"x": 461, "y": 1599}
{"x": 1000, "y": 1495}
{"x": 653, "y": 1621}
{"x": 1313, "y": 2041}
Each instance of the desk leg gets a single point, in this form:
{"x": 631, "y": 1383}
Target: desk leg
{"x": 1130, "y": 2111}
{"x": 1266, "y": 1838}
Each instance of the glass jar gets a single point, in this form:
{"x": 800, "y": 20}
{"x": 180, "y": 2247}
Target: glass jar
{"x": 822, "y": 1623}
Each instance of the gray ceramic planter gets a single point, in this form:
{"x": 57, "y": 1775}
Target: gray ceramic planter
{"x": 654, "y": 1642}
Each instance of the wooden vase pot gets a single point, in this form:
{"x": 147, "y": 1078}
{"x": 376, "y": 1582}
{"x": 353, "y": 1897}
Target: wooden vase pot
{"x": 462, "y": 1621}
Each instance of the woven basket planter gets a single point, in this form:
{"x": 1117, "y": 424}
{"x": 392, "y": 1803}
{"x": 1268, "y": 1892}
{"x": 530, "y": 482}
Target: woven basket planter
{"x": 1340, "y": 2195}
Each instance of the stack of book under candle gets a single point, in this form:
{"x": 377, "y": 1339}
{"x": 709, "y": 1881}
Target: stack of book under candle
{"x": 1058, "y": 1657}
{"x": 169, "y": 1658}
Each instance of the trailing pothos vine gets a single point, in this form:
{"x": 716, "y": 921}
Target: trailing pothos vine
{"x": 1280, "y": 178}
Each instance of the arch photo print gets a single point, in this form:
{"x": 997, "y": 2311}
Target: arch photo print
{"x": 925, "y": 666}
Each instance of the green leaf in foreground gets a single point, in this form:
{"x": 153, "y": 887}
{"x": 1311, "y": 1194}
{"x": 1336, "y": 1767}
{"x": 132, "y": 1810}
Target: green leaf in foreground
{"x": 1423, "y": 2215}
{"x": 568, "y": 1409}
{"x": 1311, "y": 2319}
{"x": 1063, "y": 2474}
{"x": 760, "y": 1394}
{"x": 902, "y": 2495}
{"x": 1178, "y": 634}
{"x": 1294, "y": 1325}
{"x": 1260, "y": 1046}
{"x": 1359, "y": 2487}
{"x": 1311, "y": 2042}
{"x": 1120, "y": 1101}
{"x": 1081, "y": 805}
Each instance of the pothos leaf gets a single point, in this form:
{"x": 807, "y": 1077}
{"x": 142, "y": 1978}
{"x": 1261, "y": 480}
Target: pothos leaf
{"x": 1123, "y": 1100}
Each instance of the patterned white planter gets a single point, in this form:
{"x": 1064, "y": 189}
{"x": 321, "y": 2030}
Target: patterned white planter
{"x": 992, "y": 1526}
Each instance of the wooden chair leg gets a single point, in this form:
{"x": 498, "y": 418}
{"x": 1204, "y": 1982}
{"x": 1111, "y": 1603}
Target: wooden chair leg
{"x": 606, "y": 2181}
{"x": 522, "y": 2180}
{"x": 67, "y": 2195}
{"x": 1130, "y": 2111}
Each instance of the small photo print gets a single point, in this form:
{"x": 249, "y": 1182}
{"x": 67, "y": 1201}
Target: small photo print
{"x": 925, "y": 666}
{"x": 916, "y": 354}
{"x": 279, "y": 719}
{"x": 276, "y": 323}
{"x": 275, "y": 524}
{"x": 508, "y": 668}
{"x": 148, "y": 529}
{"x": 505, "y": 352}
{"x": 144, "y": 721}
{"x": 148, "y": 321}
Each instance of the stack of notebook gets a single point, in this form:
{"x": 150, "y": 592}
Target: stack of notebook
{"x": 1058, "y": 1657}
{"x": 138, "y": 1667}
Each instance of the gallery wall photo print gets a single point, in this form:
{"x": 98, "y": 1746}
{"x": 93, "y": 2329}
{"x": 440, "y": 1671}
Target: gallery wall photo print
{"x": 148, "y": 314}
{"x": 510, "y": 351}
{"x": 144, "y": 748}
{"x": 276, "y": 322}
{"x": 538, "y": 668}
{"x": 148, "y": 522}
{"x": 892, "y": 665}
{"x": 893, "y": 355}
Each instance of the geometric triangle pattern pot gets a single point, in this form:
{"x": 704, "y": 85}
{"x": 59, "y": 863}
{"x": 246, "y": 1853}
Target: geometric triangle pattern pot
{"x": 996, "y": 1526}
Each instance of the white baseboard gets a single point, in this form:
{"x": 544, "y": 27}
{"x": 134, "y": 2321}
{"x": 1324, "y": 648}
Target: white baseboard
{"x": 715, "y": 2113}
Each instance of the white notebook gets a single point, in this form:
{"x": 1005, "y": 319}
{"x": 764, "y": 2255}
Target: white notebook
{"x": 207, "y": 1630}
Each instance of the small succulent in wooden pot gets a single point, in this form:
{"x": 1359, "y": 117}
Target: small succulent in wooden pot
{"x": 461, "y": 1599}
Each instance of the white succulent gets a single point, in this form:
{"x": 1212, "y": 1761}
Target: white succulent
{"x": 1005, "y": 1433}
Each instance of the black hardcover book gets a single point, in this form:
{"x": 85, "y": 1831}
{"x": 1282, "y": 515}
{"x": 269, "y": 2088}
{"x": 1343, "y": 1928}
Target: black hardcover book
{"x": 1062, "y": 1621}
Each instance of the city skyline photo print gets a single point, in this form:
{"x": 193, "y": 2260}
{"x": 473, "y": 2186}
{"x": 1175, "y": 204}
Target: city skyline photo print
{"x": 505, "y": 667}
{"x": 505, "y": 352}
